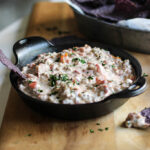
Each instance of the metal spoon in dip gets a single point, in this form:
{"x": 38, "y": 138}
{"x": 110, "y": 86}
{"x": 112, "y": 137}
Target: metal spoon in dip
{"x": 5, "y": 61}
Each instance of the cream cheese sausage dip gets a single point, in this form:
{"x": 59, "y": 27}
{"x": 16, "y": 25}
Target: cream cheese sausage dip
{"x": 76, "y": 75}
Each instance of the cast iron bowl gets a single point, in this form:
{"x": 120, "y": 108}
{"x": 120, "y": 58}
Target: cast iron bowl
{"x": 26, "y": 50}
{"x": 112, "y": 34}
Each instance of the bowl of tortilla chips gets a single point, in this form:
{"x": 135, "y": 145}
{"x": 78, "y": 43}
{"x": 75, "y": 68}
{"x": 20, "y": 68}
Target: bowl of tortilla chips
{"x": 99, "y": 22}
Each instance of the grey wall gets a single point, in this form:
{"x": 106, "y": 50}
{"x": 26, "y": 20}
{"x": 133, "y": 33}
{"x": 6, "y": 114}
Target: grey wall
{"x": 11, "y": 10}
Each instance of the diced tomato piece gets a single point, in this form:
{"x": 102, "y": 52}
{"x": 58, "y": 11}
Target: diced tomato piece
{"x": 51, "y": 66}
{"x": 81, "y": 49}
{"x": 32, "y": 85}
{"x": 74, "y": 81}
{"x": 67, "y": 61}
{"x": 133, "y": 78}
{"x": 116, "y": 57}
{"x": 62, "y": 58}
{"x": 76, "y": 72}
{"x": 66, "y": 54}
{"x": 98, "y": 68}
{"x": 105, "y": 89}
{"x": 99, "y": 81}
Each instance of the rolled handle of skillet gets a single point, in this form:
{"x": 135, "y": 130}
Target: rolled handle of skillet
{"x": 136, "y": 89}
{"x": 27, "y": 49}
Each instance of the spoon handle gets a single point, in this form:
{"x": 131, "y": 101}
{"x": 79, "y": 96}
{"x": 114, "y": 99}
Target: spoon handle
{"x": 5, "y": 61}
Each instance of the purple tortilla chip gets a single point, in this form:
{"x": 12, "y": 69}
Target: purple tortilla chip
{"x": 125, "y": 6}
{"x": 115, "y": 10}
{"x": 5, "y": 61}
{"x": 146, "y": 113}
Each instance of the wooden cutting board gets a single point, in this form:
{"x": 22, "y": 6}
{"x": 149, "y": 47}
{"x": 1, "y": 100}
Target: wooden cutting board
{"x": 24, "y": 129}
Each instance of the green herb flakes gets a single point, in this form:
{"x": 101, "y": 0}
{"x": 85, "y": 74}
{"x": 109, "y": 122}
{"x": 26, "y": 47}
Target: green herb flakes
{"x": 72, "y": 54}
{"x": 69, "y": 81}
{"x": 145, "y": 75}
{"x": 54, "y": 93}
{"x": 91, "y": 131}
{"x": 74, "y": 48}
{"x": 90, "y": 78}
{"x": 78, "y": 59}
{"x": 29, "y": 134}
{"x": 103, "y": 64}
{"x": 82, "y": 61}
{"x": 40, "y": 91}
{"x": 100, "y": 129}
{"x": 29, "y": 81}
{"x": 97, "y": 124}
{"x": 77, "y": 83}
{"x": 75, "y": 59}
{"x": 64, "y": 77}
{"x": 113, "y": 66}
{"x": 53, "y": 80}
{"x": 58, "y": 59}
{"x": 106, "y": 128}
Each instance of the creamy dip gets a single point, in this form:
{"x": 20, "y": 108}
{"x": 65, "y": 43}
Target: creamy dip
{"x": 76, "y": 75}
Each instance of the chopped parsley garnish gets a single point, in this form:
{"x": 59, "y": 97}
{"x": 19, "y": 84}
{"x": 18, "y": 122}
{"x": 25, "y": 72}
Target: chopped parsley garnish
{"x": 145, "y": 75}
{"x": 82, "y": 61}
{"x": 113, "y": 66}
{"x": 72, "y": 54}
{"x": 75, "y": 59}
{"x": 78, "y": 59}
{"x": 53, "y": 79}
{"x": 90, "y": 78}
{"x": 106, "y": 128}
{"x": 69, "y": 81}
{"x": 40, "y": 91}
{"x": 77, "y": 83}
{"x": 74, "y": 48}
{"x": 100, "y": 129}
{"x": 58, "y": 59}
{"x": 91, "y": 131}
{"x": 97, "y": 124}
{"x": 29, "y": 134}
{"x": 30, "y": 81}
{"x": 54, "y": 93}
{"x": 64, "y": 77}
{"x": 103, "y": 64}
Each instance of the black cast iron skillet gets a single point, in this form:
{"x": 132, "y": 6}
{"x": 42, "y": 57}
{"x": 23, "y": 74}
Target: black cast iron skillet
{"x": 26, "y": 51}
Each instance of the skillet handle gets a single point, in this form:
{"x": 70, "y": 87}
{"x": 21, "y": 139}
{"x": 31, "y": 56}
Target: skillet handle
{"x": 134, "y": 90}
{"x": 25, "y": 50}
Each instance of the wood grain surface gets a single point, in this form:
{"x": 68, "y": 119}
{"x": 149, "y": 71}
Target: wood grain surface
{"x": 24, "y": 129}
